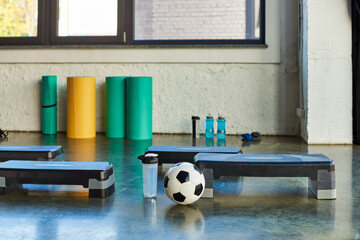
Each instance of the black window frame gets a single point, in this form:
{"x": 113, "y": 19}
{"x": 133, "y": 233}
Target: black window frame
{"x": 47, "y": 31}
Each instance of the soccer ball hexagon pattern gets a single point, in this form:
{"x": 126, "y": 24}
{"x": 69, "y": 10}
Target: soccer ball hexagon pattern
{"x": 184, "y": 183}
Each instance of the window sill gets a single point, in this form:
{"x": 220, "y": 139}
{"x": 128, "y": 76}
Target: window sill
{"x": 195, "y": 46}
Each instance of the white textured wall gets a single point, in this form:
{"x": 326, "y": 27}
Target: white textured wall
{"x": 251, "y": 97}
{"x": 328, "y": 90}
{"x": 261, "y": 96}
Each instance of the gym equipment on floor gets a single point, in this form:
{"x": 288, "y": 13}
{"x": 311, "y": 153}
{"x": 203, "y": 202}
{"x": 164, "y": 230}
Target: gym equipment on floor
{"x": 49, "y": 104}
{"x": 319, "y": 169}
{"x": 115, "y": 107}
{"x": 138, "y": 108}
{"x": 28, "y": 152}
{"x": 97, "y": 176}
{"x": 81, "y": 107}
{"x": 175, "y": 154}
{"x": 3, "y": 134}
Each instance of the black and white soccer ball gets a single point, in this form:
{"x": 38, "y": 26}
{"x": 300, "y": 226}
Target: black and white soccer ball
{"x": 184, "y": 183}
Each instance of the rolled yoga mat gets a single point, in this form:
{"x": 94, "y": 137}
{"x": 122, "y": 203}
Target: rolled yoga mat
{"x": 81, "y": 107}
{"x": 115, "y": 107}
{"x": 138, "y": 108}
{"x": 49, "y": 104}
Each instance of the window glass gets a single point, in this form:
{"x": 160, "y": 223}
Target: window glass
{"x": 87, "y": 18}
{"x": 132, "y": 22}
{"x": 196, "y": 19}
{"x": 18, "y": 18}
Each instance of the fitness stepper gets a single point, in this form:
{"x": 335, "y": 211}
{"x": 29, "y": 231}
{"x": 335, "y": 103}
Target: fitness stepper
{"x": 17, "y": 152}
{"x": 319, "y": 169}
{"x": 170, "y": 155}
{"x": 97, "y": 176}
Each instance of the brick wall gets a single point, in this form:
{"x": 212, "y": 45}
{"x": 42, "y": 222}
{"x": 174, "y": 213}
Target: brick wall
{"x": 190, "y": 19}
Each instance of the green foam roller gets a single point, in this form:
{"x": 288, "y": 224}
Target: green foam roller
{"x": 138, "y": 108}
{"x": 115, "y": 107}
{"x": 49, "y": 104}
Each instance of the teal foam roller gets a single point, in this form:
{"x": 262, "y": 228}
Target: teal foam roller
{"x": 115, "y": 107}
{"x": 49, "y": 104}
{"x": 138, "y": 108}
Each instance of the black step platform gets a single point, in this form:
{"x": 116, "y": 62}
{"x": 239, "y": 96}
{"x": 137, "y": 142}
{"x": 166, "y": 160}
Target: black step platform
{"x": 175, "y": 154}
{"x": 97, "y": 176}
{"x": 318, "y": 168}
{"x": 28, "y": 152}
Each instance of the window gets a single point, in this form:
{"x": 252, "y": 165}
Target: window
{"x": 132, "y": 22}
{"x": 87, "y": 18}
{"x": 19, "y": 20}
{"x": 85, "y": 22}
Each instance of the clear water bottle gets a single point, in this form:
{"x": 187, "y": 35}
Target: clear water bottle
{"x": 209, "y": 131}
{"x": 221, "y": 133}
{"x": 150, "y": 170}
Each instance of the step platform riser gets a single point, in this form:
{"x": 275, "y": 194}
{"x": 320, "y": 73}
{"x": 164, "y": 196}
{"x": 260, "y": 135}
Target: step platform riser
{"x": 29, "y": 152}
{"x": 98, "y": 177}
{"x": 319, "y": 169}
{"x": 175, "y": 154}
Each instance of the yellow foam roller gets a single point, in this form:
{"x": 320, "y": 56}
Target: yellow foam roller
{"x": 81, "y": 107}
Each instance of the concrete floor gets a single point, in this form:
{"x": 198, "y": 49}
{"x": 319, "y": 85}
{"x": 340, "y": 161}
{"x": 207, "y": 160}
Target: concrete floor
{"x": 248, "y": 208}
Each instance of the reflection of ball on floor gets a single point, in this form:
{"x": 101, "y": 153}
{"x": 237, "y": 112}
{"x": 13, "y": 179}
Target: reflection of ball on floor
{"x": 184, "y": 183}
{"x": 185, "y": 219}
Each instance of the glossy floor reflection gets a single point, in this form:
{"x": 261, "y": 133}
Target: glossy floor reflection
{"x": 242, "y": 208}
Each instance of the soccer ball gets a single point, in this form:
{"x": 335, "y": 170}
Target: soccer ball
{"x": 184, "y": 183}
